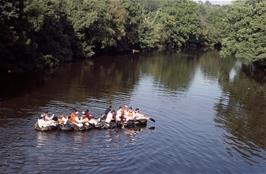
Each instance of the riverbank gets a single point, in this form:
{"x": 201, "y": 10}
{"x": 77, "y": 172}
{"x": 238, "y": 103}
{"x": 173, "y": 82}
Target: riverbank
{"x": 40, "y": 34}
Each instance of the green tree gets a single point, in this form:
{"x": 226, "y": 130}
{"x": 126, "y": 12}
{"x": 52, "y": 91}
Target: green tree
{"x": 181, "y": 24}
{"x": 51, "y": 33}
{"x": 14, "y": 43}
{"x": 246, "y": 31}
{"x": 212, "y": 19}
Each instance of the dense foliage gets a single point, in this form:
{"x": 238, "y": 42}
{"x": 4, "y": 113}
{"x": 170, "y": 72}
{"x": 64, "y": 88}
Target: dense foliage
{"x": 44, "y": 33}
{"x": 246, "y": 31}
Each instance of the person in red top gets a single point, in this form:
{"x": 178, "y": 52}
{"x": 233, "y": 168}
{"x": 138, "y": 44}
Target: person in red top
{"x": 123, "y": 110}
{"x": 86, "y": 116}
{"x": 120, "y": 114}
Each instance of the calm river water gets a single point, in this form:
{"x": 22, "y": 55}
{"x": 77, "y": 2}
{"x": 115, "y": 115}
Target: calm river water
{"x": 210, "y": 117}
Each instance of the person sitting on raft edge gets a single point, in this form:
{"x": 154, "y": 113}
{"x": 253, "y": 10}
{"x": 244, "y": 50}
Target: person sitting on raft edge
{"x": 130, "y": 114}
{"x": 74, "y": 117}
{"x": 62, "y": 120}
{"x": 138, "y": 114}
{"x": 110, "y": 117}
{"x": 120, "y": 115}
{"x": 86, "y": 116}
{"x": 46, "y": 117}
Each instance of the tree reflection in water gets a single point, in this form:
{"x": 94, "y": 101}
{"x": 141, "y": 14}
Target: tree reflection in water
{"x": 174, "y": 71}
{"x": 241, "y": 111}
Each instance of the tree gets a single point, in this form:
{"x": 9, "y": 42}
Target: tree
{"x": 246, "y": 31}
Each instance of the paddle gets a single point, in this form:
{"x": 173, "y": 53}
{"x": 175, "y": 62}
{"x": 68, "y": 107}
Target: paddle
{"x": 148, "y": 117}
{"x": 152, "y": 119}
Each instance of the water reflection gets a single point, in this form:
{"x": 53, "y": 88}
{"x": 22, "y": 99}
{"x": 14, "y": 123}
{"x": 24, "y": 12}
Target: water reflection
{"x": 174, "y": 72}
{"x": 83, "y": 140}
{"x": 74, "y": 84}
{"x": 207, "y": 110}
{"x": 241, "y": 112}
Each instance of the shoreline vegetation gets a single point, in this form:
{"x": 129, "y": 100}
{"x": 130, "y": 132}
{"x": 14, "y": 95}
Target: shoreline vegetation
{"x": 39, "y": 34}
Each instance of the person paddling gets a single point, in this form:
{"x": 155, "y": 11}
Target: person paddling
{"x": 140, "y": 116}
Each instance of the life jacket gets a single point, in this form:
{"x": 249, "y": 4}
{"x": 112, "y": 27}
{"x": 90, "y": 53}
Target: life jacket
{"x": 130, "y": 114}
{"x": 72, "y": 117}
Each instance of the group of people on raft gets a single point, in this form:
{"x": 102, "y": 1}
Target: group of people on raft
{"x": 124, "y": 117}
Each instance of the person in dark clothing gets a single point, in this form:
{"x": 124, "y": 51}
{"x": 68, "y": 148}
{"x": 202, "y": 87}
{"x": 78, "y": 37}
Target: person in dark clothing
{"x": 109, "y": 109}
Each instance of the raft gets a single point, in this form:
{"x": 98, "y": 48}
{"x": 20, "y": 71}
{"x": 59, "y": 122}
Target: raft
{"x": 88, "y": 126}
{"x": 45, "y": 128}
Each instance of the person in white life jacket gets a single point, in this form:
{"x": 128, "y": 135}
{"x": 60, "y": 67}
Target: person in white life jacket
{"x": 110, "y": 117}
{"x": 139, "y": 115}
{"x": 45, "y": 120}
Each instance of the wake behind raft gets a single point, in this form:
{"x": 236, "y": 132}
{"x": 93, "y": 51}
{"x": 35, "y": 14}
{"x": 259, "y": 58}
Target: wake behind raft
{"x": 123, "y": 118}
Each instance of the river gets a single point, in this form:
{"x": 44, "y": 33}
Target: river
{"x": 210, "y": 116}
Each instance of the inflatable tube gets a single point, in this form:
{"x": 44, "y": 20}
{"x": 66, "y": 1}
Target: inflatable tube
{"x": 103, "y": 125}
{"x": 46, "y": 128}
{"x": 78, "y": 127}
{"x": 141, "y": 122}
{"x": 88, "y": 126}
{"x": 97, "y": 124}
{"x": 130, "y": 124}
{"x": 119, "y": 124}
{"x": 65, "y": 127}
